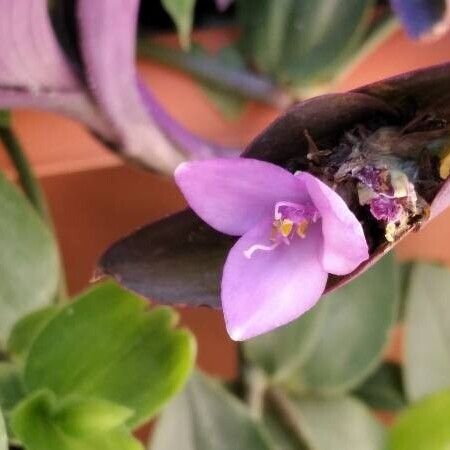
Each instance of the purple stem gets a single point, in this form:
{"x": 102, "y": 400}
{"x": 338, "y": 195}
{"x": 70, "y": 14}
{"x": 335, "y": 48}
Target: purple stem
{"x": 191, "y": 144}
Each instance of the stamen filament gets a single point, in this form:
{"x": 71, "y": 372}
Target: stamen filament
{"x": 279, "y": 205}
{"x": 267, "y": 248}
{"x": 290, "y": 219}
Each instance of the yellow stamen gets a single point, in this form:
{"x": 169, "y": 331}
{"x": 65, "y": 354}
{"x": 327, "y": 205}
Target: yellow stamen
{"x": 302, "y": 228}
{"x": 285, "y": 227}
{"x": 275, "y": 227}
{"x": 390, "y": 231}
{"x": 444, "y": 168}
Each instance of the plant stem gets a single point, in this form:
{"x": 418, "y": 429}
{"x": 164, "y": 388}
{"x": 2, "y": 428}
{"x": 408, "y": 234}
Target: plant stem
{"x": 406, "y": 270}
{"x": 27, "y": 179}
{"x": 3, "y": 356}
{"x": 209, "y": 69}
{"x": 256, "y": 390}
{"x": 286, "y": 413}
{"x": 32, "y": 190}
{"x": 406, "y": 273}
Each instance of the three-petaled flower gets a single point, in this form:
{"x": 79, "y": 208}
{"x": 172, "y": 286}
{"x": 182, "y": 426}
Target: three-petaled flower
{"x": 295, "y": 230}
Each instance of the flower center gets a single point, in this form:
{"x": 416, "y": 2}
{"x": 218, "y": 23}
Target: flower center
{"x": 290, "y": 220}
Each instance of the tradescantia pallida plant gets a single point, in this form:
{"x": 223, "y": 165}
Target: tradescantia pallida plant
{"x": 383, "y": 149}
{"x": 318, "y": 198}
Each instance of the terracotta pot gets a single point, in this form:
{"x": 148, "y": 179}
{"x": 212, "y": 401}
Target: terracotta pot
{"x": 95, "y": 199}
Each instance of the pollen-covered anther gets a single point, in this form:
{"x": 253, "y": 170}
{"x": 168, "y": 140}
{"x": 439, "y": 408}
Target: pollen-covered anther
{"x": 444, "y": 168}
{"x": 302, "y": 228}
{"x": 285, "y": 227}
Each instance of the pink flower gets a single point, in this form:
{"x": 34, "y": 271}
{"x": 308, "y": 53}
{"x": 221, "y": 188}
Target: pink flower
{"x": 294, "y": 230}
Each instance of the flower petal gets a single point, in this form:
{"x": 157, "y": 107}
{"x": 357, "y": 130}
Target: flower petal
{"x": 271, "y": 288}
{"x": 345, "y": 246}
{"x": 234, "y": 195}
{"x": 421, "y": 18}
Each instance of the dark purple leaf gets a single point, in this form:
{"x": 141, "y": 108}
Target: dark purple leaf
{"x": 222, "y": 5}
{"x": 180, "y": 260}
{"x": 192, "y": 145}
{"x": 34, "y": 72}
{"x": 35, "y": 62}
{"x": 146, "y": 132}
{"x": 324, "y": 117}
{"x": 33, "y": 69}
{"x": 177, "y": 260}
{"x": 107, "y": 34}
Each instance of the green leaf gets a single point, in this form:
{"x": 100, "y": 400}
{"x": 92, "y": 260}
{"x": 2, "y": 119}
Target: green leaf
{"x": 27, "y": 329}
{"x": 280, "y": 434}
{"x": 356, "y": 328}
{"x": 80, "y": 416}
{"x": 109, "y": 345}
{"x": 182, "y": 13}
{"x": 304, "y": 41}
{"x": 230, "y": 104}
{"x": 339, "y": 424}
{"x": 28, "y": 259}
{"x": 205, "y": 417}
{"x": 424, "y": 426}
{"x": 427, "y": 331}
{"x": 282, "y": 351}
{"x": 383, "y": 390}
{"x": 3, "y": 436}
{"x": 39, "y": 422}
{"x": 11, "y": 386}
{"x": 5, "y": 118}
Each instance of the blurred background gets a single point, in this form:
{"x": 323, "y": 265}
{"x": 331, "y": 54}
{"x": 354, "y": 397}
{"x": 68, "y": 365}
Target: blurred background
{"x": 95, "y": 199}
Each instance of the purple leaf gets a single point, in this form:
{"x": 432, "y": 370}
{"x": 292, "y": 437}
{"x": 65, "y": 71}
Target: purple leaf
{"x": 422, "y": 18}
{"x": 222, "y": 5}
{"x": 108, "y": 32}
{"x": 33, "y": 69}
{"x": 34, "y": 72}
{"x": 181, "y": 255}
{"x": 192, "y": 145}
{"x": 424, "y": 95}
{"x": 146, "y": 132}
{"x": 324, "y": 117}
{"x": 29, "y": 55}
